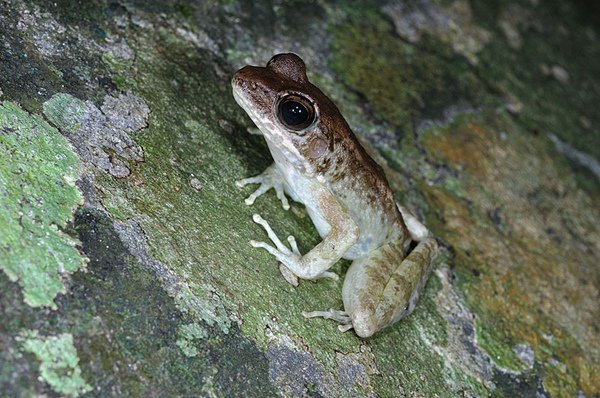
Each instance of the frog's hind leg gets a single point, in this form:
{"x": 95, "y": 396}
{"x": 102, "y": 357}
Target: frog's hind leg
{"x": 341, "y": 317}
{"x": 380, "y": 289}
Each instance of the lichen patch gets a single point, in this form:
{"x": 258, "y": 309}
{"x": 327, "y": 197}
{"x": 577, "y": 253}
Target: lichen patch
{"x": 59, "y": 362}
{"x": 101, "y": 136}
{"x": 38, "y": 170}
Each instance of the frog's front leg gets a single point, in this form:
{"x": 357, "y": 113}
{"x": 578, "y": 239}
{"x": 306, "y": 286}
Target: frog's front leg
{"x": 314, "y": 264}
{"x": 270, "y": 178}
{"x": 281, "y": 250}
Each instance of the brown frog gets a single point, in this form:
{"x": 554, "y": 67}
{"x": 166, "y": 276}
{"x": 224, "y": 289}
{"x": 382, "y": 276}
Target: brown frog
{"x": 320, "y": 163}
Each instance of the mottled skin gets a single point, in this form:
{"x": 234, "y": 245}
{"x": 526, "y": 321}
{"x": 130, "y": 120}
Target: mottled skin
{"x": 346, "y": 196}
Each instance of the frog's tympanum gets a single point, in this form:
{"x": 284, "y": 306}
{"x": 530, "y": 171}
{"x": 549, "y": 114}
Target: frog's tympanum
{"x": 320, "y": 163}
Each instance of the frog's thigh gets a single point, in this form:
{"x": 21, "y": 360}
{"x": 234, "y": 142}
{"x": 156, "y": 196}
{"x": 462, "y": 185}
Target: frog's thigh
{"x": 380, "y": 290}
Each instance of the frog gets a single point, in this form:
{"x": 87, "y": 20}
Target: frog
{"x": 320, "y": 163}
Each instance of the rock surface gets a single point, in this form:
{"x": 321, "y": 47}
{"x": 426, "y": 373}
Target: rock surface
{"x": 123, "y": 255}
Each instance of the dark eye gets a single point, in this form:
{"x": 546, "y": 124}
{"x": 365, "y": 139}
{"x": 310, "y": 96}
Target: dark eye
{"x": 295, "y": 112}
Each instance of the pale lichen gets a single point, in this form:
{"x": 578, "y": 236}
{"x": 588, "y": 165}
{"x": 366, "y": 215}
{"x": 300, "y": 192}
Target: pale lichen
{"x": 38, "y": 170}
{"x": 187, "y": 334}
{"x": 59, "y": 362}
{"x": 101, "y": 136}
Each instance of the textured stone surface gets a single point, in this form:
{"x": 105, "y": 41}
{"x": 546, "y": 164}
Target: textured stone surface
{"x": 483, "y": 115}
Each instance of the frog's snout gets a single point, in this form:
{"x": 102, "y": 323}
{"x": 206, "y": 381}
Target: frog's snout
{"x": 236, "y": 80}
{"x": 243, "y": 78}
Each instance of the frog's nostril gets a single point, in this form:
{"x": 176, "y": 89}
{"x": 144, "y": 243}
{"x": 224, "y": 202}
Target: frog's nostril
{"x": 236, "y": 79}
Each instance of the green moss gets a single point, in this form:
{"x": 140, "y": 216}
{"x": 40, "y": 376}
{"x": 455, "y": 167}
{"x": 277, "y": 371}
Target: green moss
{"x": 202, "y": 304}
{"x": 118, "y": 206}
{"x": 486, "y": 213}
{"x": 184, "y": 9}
{"x": 494, "y": 341}
{"x": 59, "y": 363}
{"x": 121, "y": 82}
{"x": 121, "y": 314}
{"x": 38, "y": 170}
{"x": 401, "y": 83}
{"x": 567, "y": 109}
{"x": 28, "y": 75}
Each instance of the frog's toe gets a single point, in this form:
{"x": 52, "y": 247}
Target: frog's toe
{"x": 259, "y": 179}
{"x": 281, "y": 195}
{"x": 263, "y": 223}
{"x": 289, "y": 258}
{"x": 293, "y": 245}
{"x": 341, "y": 317}
{"x": 261, "y": 190}
{"x": 267, "y": 247}
{"x": 270, "y": 178}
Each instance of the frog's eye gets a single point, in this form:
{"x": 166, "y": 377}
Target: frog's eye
{"x": 295, "y": 112}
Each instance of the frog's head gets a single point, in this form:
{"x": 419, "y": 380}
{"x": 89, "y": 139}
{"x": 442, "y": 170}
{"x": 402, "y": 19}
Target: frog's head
{"x": 294, "y": 115}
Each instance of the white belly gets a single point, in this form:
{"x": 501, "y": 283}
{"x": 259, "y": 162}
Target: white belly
{"x": 304, "y": 190}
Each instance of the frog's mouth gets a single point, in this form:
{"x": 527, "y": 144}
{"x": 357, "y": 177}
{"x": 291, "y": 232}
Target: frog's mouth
{"x": 239, "y": 97}
{"x": 248, "y": 105}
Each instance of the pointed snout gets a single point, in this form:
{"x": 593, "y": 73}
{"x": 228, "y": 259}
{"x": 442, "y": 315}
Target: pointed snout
{"x": 246, "y": 77}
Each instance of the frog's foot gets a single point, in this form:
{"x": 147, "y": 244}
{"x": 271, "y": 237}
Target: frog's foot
{"x": 344, "y": 320}
{"x": 290, "y": 259}
{"x": 270, "y": 178}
